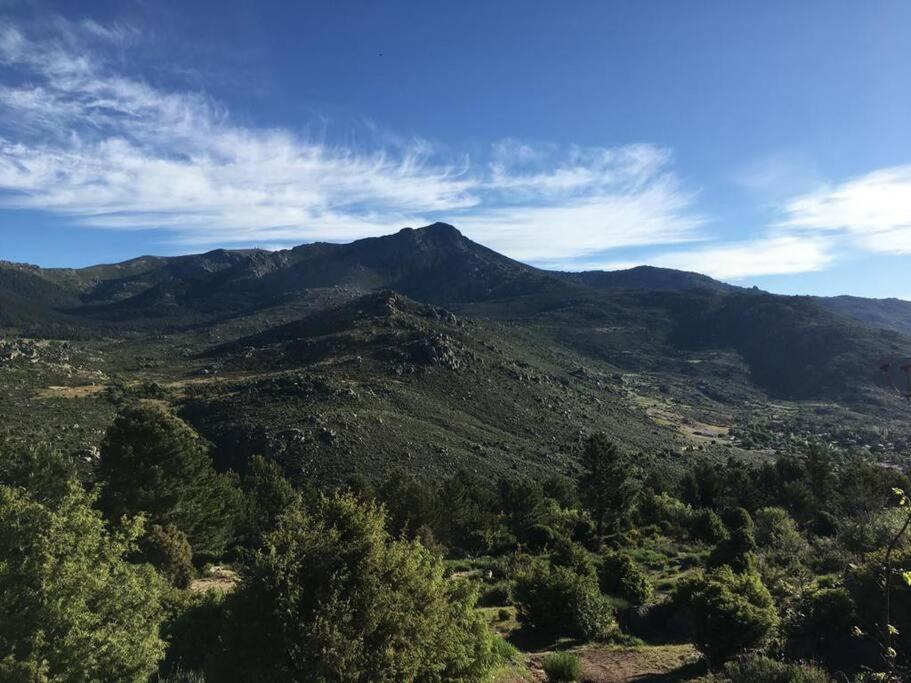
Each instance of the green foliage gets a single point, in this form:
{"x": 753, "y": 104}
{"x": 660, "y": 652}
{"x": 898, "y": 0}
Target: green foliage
{"x": 760, "y": 669}
{"x": 410, "y": 504}
{"x": 866, "y": 583}
{"x": 168, "y": 550}
{"x": 71, "y": 607}
{"x": 672, "y": 514}
{"x": 495, "y": 595}
{"x": 468, "y": 519}
{"x": 37, "y": 468}
{"x": 620, "y": 575}
{"x": 557, "y": 601}
{"x": 153, "y": 463}
{"x": 562, "y": 667}
{"x": 738, "y": 549}
{"x": 821, "y": 628}
{"x": 195, "y": 628}
{"x": 733, "y": 612}
{"x": 267, "y": 494}
{"x": 781, "y": 551}
{"x": 607, "y": 487}
{"x": 574, "y": 556}
{"x": 335, "y": 598}
{"x": 708, "y": 527}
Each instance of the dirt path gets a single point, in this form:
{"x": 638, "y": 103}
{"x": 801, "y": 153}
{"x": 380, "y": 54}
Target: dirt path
{"x": 615, "y": 664}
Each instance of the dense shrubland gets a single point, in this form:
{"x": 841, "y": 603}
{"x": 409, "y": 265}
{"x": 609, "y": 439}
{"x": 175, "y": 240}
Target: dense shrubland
{"x": 795, "y": 569}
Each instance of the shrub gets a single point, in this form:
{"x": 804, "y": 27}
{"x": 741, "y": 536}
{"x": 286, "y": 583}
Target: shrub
{"x": 495, "y": 595}
{"x": 820, "y": 628}
{"x": 505, "y": 651}
{"x": 562, "y": 667}
{"x": 71, "y": 607}
{"x": 781, "y": 551}
{"x": 760, "y": 669}
{"x": 574, "y": 556}
{"x": 194, "y": 628}
{"x": 168, "y": 550}
{"x": 732, "y": 612}
{"x": 331, "y": 595}
{"x": 42, "y": 471}
{"x": 153, "y": 463}
{"x": 738, "y": 549}
{"x": 708, "y": 527}
{"x": 865, "y": 584}
{"x": 620, "y": 575}
{"x": 661, "y": 508}
{"x": 558, "y": 601}
{"x": 267, "y": 494}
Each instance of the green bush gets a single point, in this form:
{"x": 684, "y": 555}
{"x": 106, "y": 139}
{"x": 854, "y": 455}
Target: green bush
{"x": 168, "y": 550}
{"x": 495, "y": 595}
{"x": 663, "y": 509}
{"x": 738, "y": 549}
{"x": 71, "y": 607}
{"x": 820, "y": 628}
{"x": 194, "y": 629}
{"x": 620, "y": 575}
{"x": 760, "y": 669}
{"x": 781, "y": 551}
{"x": 562, "y": 667}
{"x": 708, "y": 527}
{"x": 504, "y": 651}
{"x": 267, "y": 494}
{"x": 331, "y": 595}
{"x": 153, "y": 463}
{"x": 558, "y": 601}
{"x": 37, "y": 468}
{"x": 567, "y": 553}
{"x": 732, "y": 612}
{"x": 865, "y": 584}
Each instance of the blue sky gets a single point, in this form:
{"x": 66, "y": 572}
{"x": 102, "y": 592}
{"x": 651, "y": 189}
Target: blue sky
{"x": 762, "y": 143}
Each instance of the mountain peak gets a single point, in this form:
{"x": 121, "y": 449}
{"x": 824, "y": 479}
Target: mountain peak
{"x": 435, "y": 230}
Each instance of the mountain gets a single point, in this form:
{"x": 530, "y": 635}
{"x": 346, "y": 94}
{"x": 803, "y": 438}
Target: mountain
{"x": 345, "y": 357}
{"x": 890, "y": 314}
{"x": 647, "y": 277}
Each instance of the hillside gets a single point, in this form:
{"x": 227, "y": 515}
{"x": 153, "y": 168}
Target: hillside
{"x": 426, "y": 346}
{"x": 889, "y": 314}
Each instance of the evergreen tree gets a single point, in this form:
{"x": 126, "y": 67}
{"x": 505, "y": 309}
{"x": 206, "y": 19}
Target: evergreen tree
{"x": 267, "y": 494}
{"x": 153, "y": 463}
{"x": 607, "y": 487}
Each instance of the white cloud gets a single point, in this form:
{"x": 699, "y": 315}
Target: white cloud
{"x": 80, "y": 139}
{"x": 874, "y": 210}
{"x": 776, "y": 254}
{"x": 655, "y": 214}
{"x": 773, "y": 255}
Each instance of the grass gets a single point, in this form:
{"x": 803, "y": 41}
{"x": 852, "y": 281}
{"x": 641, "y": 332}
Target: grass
{"x": 562, "y": 667}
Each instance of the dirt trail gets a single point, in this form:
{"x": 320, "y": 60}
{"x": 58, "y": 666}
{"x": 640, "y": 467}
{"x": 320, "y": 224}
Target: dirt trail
{"x": 614, "y": 664}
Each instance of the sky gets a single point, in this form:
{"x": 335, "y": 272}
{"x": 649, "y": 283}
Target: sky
{"x": 762, "y": 143}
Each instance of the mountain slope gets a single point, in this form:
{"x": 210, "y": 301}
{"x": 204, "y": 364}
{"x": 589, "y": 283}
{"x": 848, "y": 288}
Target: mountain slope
{"x": 890, "y": 314}
{"x": 794, "y": 347}
{"x": 647, "y": 277}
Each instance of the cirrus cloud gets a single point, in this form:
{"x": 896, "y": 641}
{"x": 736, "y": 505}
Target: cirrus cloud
{"x": 106, "y": 149}
{"x": 873, "y": 210}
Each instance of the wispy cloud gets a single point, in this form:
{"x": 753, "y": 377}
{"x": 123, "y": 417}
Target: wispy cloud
{"x": 82, "y": 139}
{"x": 773, "y": 255}
{"x": 874, "y": 210}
